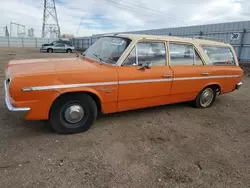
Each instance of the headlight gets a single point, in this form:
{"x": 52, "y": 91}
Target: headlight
{"x": 8, "y": 80}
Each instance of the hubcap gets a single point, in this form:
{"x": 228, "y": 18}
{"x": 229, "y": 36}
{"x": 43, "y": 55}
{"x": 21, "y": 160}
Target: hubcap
{"x": 207, "y": 97}
{"x": 74, "y": 114}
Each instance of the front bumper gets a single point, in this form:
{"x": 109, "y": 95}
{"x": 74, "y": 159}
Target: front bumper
{"x": 20, "y": 111}
{"x": 43, "y": 50}
{"x": 238, "y": 86}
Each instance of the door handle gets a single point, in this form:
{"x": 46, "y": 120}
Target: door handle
{"x": 205, "y": 73}
{"x": 167, "y": 76}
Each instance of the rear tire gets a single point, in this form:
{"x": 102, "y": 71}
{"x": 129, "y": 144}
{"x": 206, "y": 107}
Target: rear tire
{"x": 50, "y": 50}
{"x": 73, "y": 113}
{"x": 205, "y": 98}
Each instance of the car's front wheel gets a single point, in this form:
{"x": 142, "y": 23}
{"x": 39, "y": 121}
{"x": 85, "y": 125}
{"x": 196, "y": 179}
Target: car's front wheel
{"x": 205, "y": 98}
{"x": 69, "y": 51}
{"x": 50, "y": 50}
{"x": 73, "y": 113}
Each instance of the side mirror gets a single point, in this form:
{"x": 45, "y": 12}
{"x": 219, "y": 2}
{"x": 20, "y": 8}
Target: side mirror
{"x": 145, "y": 66}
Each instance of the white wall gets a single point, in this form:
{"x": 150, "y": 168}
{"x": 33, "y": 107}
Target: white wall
{"x": 23, "y": 42}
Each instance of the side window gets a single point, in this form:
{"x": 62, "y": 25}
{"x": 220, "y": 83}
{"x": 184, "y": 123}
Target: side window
{"x": 151, "y": 52}
{"x": 219, "y": 55}
{"x": 147, "y": 52}
{"x": 60, "y": 45}
{"x": 183, "y": 54}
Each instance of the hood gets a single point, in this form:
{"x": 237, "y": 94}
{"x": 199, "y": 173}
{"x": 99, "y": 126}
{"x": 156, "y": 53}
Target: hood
{"x": 17, "y": 68}
{"x": 49, "y": 72}
{"x": 47, "y": 45}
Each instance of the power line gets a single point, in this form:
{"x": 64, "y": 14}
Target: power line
{"x": 20, "y": 29}
{"x": 153, "y": 10}
{"x": 132, "y": 9}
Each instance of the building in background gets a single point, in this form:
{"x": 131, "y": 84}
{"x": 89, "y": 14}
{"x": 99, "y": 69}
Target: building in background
{"x": 68, "y": 36}
{"x": 235, "y": 33}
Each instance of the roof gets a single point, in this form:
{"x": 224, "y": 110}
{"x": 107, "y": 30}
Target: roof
{"x": 172, "y": 38}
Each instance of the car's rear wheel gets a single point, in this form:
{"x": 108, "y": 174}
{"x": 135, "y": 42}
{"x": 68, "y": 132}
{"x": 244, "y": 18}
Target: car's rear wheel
{"x": 73, "y": 113}
{"x": 69, "y": 51}
{"x": 205, "y": 98}
{"x": 50, "y": 50}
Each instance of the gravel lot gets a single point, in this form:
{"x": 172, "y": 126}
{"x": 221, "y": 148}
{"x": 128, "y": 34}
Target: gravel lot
{"x": 169, "y": 146}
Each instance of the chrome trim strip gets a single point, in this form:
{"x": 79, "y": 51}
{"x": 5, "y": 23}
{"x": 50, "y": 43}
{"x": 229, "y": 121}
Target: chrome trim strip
{"x": 145, "y": 81}
{"x": 8, "y": 103}
{"x": 206, "y": 77}
{"x": 38, "y": 88}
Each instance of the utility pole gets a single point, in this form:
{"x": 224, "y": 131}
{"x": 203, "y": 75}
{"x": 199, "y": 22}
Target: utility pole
{"x": 50, "y": 20}
{"x": 6, "y": 31}
{"x": 20, "y": 29}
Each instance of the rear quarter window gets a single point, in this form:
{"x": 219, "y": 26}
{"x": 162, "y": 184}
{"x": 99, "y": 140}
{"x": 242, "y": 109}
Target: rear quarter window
{"x": 219, "y": 55}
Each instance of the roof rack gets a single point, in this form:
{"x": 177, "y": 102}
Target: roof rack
{"x": 209, "y": 38}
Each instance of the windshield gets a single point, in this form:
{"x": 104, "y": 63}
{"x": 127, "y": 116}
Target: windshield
{"x": 107, "y": 49}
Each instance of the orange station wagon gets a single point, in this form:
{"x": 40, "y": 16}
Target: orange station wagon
{"x": 117, "y": 73}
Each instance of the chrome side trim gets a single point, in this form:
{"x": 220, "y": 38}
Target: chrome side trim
{"x": 8, "y": 103}
{"x": 206, "y": 77}
{"x": 38, "y": 88}
{"x": 145, "y": 81}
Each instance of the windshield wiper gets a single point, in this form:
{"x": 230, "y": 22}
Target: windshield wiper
{"x": 101, "y": 60}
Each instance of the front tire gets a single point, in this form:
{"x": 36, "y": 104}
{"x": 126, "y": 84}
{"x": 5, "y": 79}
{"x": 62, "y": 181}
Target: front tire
{"x": 73, "y": 113}
{"x": 205, "y": 98}
{"x": 50, "y": 50}
{"x": 69, "y": 51}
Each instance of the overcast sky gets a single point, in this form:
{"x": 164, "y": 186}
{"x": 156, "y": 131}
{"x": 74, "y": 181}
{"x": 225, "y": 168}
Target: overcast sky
{"x": 104, "y": 16}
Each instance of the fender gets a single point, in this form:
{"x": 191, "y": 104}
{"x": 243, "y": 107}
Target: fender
{"x": 82, "y": 89}
{"x": 107, "y": 101}
{"x": 214, "y": 83}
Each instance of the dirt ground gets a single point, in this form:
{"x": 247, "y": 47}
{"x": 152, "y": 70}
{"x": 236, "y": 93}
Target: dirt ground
{"x": 171, "y": 146}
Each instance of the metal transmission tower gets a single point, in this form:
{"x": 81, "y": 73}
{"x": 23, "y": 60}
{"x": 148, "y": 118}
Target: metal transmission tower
{"x": 50, "y": 20}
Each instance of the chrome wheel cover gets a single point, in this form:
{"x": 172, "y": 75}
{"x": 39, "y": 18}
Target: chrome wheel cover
{"x": 74, "y": 114}
{"x": 206, "y": 97}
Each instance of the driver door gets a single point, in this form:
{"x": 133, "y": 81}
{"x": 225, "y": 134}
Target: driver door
{"x": 144, "y": 87}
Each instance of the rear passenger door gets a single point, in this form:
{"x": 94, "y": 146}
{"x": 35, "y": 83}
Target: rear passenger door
{"x": 189, "y": 71}
{"x": 223, "y": 64}
{"x": 59, "y": 48}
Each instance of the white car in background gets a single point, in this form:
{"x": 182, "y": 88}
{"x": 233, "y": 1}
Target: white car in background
{"x": 58, "y": 47}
